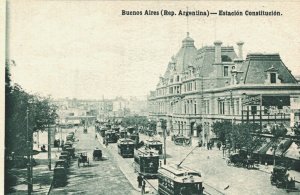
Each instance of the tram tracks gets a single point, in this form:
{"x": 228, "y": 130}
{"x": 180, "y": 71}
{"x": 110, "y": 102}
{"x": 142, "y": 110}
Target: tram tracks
{"x": 210, "y": 190}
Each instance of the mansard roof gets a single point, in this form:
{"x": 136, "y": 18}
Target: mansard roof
{"x": 257, "y": 65}
{"x": 185, "y": 55}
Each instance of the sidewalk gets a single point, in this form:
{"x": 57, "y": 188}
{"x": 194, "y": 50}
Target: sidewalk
{"x": 42, "y": 176}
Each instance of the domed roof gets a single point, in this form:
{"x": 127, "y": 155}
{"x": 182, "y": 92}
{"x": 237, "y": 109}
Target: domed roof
{"x": 184, "y": 58}
{"x": 188, "y": 41}
{"x": 185, "y": 55}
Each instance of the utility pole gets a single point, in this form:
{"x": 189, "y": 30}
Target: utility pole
{"x": 165, "y": 147}
{"x": 202, "y": 109}
{"x": 29, "y": 167}
{"x": 232, "y": 113}
{"x": 49, "y": 148}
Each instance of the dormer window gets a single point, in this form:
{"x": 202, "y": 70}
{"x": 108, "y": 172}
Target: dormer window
{"x": 177, "y": 78}
{"x": 273, "y": 77}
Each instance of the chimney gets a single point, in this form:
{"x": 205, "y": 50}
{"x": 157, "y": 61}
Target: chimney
{"x": 240, "y": 46}
{"x": 218, "y": 58}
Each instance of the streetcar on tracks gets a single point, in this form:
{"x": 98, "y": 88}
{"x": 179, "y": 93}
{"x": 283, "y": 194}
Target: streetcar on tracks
{"x": 178, "y": 180}
{"x": 154, "y": 144}
{"x": 133, "y": 134}
{"x": 111, "y": 136}
{"x": 102, "y": 131}
{"x": 146, "y": 162}
{"x": 135, "y": 138}
{"x": 122, "y": 134}
{"x": 126, "y": 147}
{"x": 115, "y": 128}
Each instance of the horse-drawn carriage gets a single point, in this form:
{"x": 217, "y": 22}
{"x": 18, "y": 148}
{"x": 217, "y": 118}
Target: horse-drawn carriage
{"x": 97, "y": 154}
{"x": 182, "y": 140}
{"x": 279, "y": 178}
{"x": 240, "y": 160}
{"x": 59, "y": 176}
{"x": 85, "y": 131}
{"x": 83, "y": 159}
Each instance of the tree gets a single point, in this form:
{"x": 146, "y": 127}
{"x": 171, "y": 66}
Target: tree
{"x": 22, "y": 108}
{"x": 222, "y": 130}
{"x": 278, "y": 130}
{"x": 238, "y": 135}
{"x": 135, "y": 120}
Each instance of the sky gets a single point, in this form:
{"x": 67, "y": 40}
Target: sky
{"x": 87, "y": 49}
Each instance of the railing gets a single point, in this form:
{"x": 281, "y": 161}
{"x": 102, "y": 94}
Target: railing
{"x": 245, "y": 117}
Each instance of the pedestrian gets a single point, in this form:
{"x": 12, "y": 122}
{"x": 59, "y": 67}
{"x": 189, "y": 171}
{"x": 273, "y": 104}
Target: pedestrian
{"x": 143, "y": 185}
{"x": 223, "y": 148}
{"x": 139, "y": 179}
{"x": 219, "y": 145}
{"x": 95, "y": 136}
{"x": 106, "y": 142}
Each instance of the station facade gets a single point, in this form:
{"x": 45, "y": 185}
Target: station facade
{"x": 214, "y": 83}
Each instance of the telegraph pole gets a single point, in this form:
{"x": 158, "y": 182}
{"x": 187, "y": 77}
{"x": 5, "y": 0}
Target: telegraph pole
{"x": 49, "y": 148}
{"x": 29, "y": 168}
{"x": 165, "y": 147}
{"x": 232, "y": 113}
{"x": 202, "y": 109}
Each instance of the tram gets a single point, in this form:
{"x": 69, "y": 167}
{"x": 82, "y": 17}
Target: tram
{"x": 178, "y": 180}
{"x": 126, "y": 147}
{"x": 116, "y": 129}
{"x": 131, "y": 130}
{"x": 135, "y": 138}
{"x": 111, "y": 136}
{"x": 146, "y": 162}
{"x": 154, "y": 144}
{"x": 102, "y": 131}
{"x": 123, "y": 133}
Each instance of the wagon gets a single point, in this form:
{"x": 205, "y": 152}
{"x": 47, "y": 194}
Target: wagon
{"x": 59, "y": 177}
{"x": 97, "y": 154}
{"x": 279, "y": 178}
{"x": 65, "y": 157}
{"x": 83, "y": 159}
{"x": 182, "y": 141}
{"x": 61, "y": 163}
{"x": 85, "y": 130}
{"x": 71, "y": 151}
{"x": 240, "y": 160}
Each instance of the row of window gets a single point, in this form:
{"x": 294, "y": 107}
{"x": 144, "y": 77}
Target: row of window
{"x": 191, "y": 86}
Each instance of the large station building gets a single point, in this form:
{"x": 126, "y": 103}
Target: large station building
{"x": 201, "y": 86}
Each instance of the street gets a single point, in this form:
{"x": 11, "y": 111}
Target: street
{"x": 218, "y": 176}
{"x": 100, "y": 177}
{"x": 116, "y": 175}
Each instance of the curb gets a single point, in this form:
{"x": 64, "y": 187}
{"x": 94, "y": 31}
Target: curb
{"x": 50, "y": 188}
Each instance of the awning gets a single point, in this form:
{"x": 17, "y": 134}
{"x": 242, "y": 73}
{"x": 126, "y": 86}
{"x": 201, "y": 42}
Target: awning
{"x": 283, "y": 146}
{"x": 263, "y": 148}
{"x": 293, "y": 152}
{"x": 270, "y": 150}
